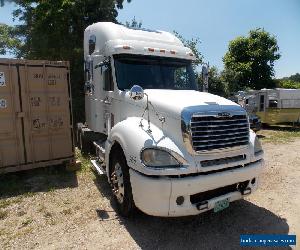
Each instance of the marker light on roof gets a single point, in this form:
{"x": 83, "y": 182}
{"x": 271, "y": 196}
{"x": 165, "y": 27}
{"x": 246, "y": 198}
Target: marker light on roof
{"x": 173, "y": 52}
{"x": 162, "y": 50}
{"x": 151, "y": 49}
{"x": 126, "y": 47}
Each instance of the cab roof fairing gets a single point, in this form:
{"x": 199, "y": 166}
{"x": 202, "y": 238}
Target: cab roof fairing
{"x": 108, "y": 35}
{"x": 114, "y": 47}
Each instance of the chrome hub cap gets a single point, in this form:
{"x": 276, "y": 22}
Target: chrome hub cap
{"x": 118, "y": 183}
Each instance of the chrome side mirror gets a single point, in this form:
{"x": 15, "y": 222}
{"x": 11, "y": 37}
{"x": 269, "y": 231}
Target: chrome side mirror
{"x": 136, "y": 93}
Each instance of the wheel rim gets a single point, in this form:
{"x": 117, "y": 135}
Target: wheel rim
{"x": 118, "y": 183}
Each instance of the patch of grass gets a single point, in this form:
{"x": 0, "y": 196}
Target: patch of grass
{"x": 3, "y": 214}
{"x": 21, "y": 213}
{"x": 67, "y": 211}
{"x": 48, "y": 215}
{"x": 29, "y": 194}
{"x": 27, "y": 222}
{"x": 66, "y": 202}
{"x": 85, "y": 161}
{"x": 5, "y": 203}
{"x": 2, "y": 232}
{"x": 279, "y": 135}
{"x": 51, "y": 220}
{"x": 51, "y": 189}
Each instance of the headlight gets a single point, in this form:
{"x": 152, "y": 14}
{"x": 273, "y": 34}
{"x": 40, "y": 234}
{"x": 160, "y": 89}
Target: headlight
{"x": 158, "y": 158}
{"x": 257, "y": 146}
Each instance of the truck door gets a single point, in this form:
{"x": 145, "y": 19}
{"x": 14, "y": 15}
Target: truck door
{"x": 95, "y": 95}
{"x": 99, "y": 93}
{"x": 108, "y": 99}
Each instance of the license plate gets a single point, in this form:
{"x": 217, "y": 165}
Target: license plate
{"x": 220, "y": 205}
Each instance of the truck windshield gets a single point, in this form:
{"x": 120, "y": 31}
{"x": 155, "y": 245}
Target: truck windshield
{"x": 154, "y": 72}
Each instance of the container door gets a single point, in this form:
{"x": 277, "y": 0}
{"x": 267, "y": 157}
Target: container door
{"x": 47, "y": 125}
{"x": 12, "y": 151}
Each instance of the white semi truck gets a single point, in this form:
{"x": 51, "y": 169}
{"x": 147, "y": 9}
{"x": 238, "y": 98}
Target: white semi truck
{"x": 166, "y": 148}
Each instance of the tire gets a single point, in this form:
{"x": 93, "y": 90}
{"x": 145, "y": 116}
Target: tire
{"x": 120, "y": 184}
{"x": 79, "y": 139}
{"x": 83, "y": 143}
{"x": 77, "y": 133}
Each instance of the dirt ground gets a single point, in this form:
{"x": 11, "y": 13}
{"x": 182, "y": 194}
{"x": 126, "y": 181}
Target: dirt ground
{"x": 53, "y": 209}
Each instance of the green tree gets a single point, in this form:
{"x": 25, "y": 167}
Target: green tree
{"x": 289, "y": 84}
{"x": 8, "y": 42}
{"x": 294, "y": 78}
{"x": 193, "y": 45}
{"x": 54, "y": 30}
{"x": 249, "y": 62}
{"x": 216, "y": 85}
{"x": 134, "y": 24}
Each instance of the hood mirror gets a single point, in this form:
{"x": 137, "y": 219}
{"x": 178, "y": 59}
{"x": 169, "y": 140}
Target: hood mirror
{"x": 136, "y": 93}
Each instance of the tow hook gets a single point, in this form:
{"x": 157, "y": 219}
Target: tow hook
{"x": 202, "y": 205}
{"x": 246, "y": 191}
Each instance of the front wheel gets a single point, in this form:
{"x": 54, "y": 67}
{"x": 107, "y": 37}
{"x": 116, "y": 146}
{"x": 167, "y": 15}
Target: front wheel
{"x": 120, "y": 183}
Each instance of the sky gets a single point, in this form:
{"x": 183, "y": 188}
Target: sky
{"x": 216, "y": 22}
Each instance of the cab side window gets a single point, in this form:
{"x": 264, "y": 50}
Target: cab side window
{"x": 92, "y": 44}
{"x": 108, "y": 81}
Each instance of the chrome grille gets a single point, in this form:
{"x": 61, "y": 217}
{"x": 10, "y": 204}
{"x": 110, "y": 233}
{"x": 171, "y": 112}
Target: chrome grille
{"x": 218, "y": 132}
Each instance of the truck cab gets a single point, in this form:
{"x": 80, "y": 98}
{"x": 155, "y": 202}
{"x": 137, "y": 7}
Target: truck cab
{"x": 166, "y": 148}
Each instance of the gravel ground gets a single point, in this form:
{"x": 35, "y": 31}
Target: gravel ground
{"x": 52, "y": 209}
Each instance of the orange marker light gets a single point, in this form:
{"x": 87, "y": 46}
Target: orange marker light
{"x": 151, "y": 49}
{"x": 173, "y": 52}
{"x": 162, "y": 50}
{"x": 126, "y": 47}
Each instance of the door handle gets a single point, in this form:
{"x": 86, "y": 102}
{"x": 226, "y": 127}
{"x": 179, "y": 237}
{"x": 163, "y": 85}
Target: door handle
{"x": 106, "y": 101}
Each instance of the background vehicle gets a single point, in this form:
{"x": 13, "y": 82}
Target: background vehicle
{"x": 273, "y": 106}
{"x": 165, "y": 147}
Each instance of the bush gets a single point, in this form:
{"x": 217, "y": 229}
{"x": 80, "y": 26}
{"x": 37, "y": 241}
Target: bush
{"x": 289, "y": 84}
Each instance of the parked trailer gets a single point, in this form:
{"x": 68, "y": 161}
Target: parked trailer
{"x": 35, "y": 114}
{"x": 273, "y": 106}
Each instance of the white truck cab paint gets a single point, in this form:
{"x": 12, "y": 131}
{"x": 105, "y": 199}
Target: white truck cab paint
{"x": 166, "y": 148}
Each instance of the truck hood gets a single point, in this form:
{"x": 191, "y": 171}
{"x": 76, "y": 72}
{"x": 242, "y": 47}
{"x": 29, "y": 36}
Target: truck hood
{"x": 172, "y": 102}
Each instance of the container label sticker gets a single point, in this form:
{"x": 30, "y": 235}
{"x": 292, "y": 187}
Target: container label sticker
{"x": 35, "y": 101}
{"x": 54, "y": 101}
{"x": 56, "y": 122}
{"x": 38, "y": 124}
{"x": 3, "y": 104}
{"x": 2, "y": 79}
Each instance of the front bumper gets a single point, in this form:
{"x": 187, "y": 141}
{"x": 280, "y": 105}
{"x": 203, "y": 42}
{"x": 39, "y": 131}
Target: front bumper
{"x": 157, "y": 195}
